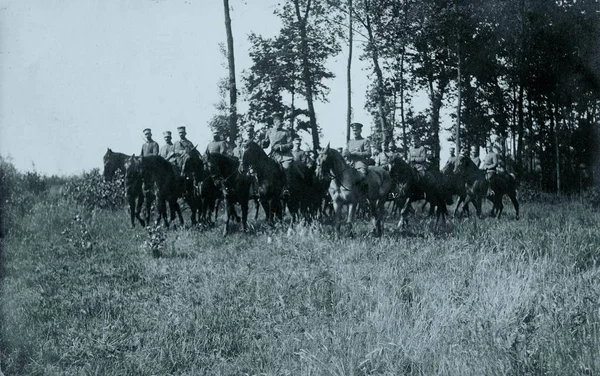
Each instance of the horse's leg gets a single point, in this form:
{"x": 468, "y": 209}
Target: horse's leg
{"x": 461, "y": 200}
{"x": 337, "y": 215}
{"x": 228, "y": 214}
{"x": 264, "y": 202}
{"x": 138, "y": 208}
{"x": 404, "y": 212}
{"x": 513, "y": 199}
{"x": 244, "y": 204}
{"x": 499, "y": 204}
{"x": 132, "y": 207}
{"x": 162, "y": 211}
{"x": 178, "y": 211}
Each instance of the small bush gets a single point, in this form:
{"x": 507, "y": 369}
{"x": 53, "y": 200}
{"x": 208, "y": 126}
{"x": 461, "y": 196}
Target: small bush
{"x": 93, "y": 192}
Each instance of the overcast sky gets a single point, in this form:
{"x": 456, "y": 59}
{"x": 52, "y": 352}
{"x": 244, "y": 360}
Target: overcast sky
{"x": 78, "y": 76}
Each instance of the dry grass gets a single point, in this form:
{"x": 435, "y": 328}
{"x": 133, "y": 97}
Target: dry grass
{"x": 83, "y": 294}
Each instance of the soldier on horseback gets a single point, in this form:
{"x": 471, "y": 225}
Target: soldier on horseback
{"x": 490, "y": 164}
{"x": 299, "y": 154}
{"x": 217, "y": 145}
{"x": 418, "y": 157}
{"x": 168, "y": 148}
{"x": 358, "y": 152}
{"x": 150, "y": 147}
{"x": 183, "y": 144}
{"x": 280, "y": 140}
{"x": 475, "y": 155}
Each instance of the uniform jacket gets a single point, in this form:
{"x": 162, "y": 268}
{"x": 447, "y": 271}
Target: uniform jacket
{"x": 166, "y": 150}
{"x": 218, "y": 147}
{"x": 280, "y": 141}
{"x": 149, "y": 148}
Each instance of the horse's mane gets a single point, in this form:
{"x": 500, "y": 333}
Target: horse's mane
{"x": 254, "y": 147}
{"x": 469, "y": 164}
{"x": 223, "y": 158}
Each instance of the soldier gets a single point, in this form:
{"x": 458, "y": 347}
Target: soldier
{"x": 475, "y": 156}
{"x": 217, "y": 145}
{"x": 490, "y": 164}
{"x": 299, "y": 154}
{"x": 357, "y": 151}
{"x": 238, "y": 150}
{"x": 452, "y": 158}
{"x": 150, "y": 147}
{"x": 183, "y": 145}
{"x": 168, "y": 148}
{"x": 385, "y": 157}
{"x": 418, "y": 156}
{"x": 280, "y": 141}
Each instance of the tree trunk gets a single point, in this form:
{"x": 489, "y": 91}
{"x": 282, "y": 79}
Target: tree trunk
{"x": 306, "y": 76}
{"x": 459, "y": 85}
{"x": 349, "y": 71}
{"x": 232, "y": 83}
{"x": 379, "y": 76}
{"x": 402, "y": 119}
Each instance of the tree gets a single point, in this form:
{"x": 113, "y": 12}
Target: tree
{"x": 232, "y": 81}
{"x": 293, "y": 63}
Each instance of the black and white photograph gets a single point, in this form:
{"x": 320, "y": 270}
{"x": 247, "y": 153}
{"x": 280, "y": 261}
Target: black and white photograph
{"x": 300, "y": 187}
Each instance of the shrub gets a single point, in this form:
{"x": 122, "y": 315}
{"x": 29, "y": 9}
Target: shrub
{"x": 93, "y": 192}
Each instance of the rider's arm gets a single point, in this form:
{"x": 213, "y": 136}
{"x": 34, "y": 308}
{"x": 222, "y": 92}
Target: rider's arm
{"x": 493, "y": 163}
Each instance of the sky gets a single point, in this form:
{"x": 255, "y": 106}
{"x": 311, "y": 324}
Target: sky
{"x": 80, "y": 76}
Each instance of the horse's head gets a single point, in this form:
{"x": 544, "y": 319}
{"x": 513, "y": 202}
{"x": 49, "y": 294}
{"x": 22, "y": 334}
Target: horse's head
{"x": 211, "y": 164}
{"x": 133, "y": 168}
{"x": 449, "y": 167}
{"x": 463, "y": 165}
{"x": 251, "y": 156}
{"x": 191, "y": 164}
{"x": 325, "y": 161}
{"x": 110, "y": 164}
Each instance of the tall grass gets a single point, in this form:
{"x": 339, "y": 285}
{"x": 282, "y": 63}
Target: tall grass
{"x": 83, "y": 294}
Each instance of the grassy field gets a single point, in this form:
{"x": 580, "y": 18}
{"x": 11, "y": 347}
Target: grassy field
{"x": 82, "y": 294}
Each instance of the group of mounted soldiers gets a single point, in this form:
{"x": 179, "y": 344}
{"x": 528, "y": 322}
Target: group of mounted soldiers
{"x": 285, "y": 146}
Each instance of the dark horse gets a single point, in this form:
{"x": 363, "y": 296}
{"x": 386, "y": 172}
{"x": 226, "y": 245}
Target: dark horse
{"x": 270, "y": 178}
{"x": 235, "y": 187}
{"x": 134, "y": 190}
{"x": 411, "y": 186}
{"x": 456, "y": 186}
{"x": 476, "y": 184}
{"x": 304, "y": 191}
{"x": 113, "y": 162}
{"x": 159, "y": 176}
{"x": 348, "y": 188}
{"x": 192, "y": 170}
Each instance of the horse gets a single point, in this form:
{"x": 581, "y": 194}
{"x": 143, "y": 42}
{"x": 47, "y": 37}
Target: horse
{"x": 412, "y": 186}
{"x": 270, "y": 179}
{"x": 224, "y": 171}
{"x": 134, "y": 190}
{"x": 456, "y": 186}
{"x": 113, "y": 162}
{"x": 348, "y": 188}
{"x": 477, "y": 184}
{"x": 191, "y": 168}
{"x": 303, "y": 191}
{"x": 157, "y": 174}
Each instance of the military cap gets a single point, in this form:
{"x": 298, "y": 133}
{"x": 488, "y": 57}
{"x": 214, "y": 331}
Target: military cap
{"x": 356, "y": 125}
{"x": 277, "y": 115}
{"x": 147, "y": 130}
{"x": 181, "y": 129}
{"x": 167, "y": 133}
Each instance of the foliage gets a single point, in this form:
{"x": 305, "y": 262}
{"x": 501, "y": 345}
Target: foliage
{"x": 292, "y": 64}
{"x": 92, "y": 192}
